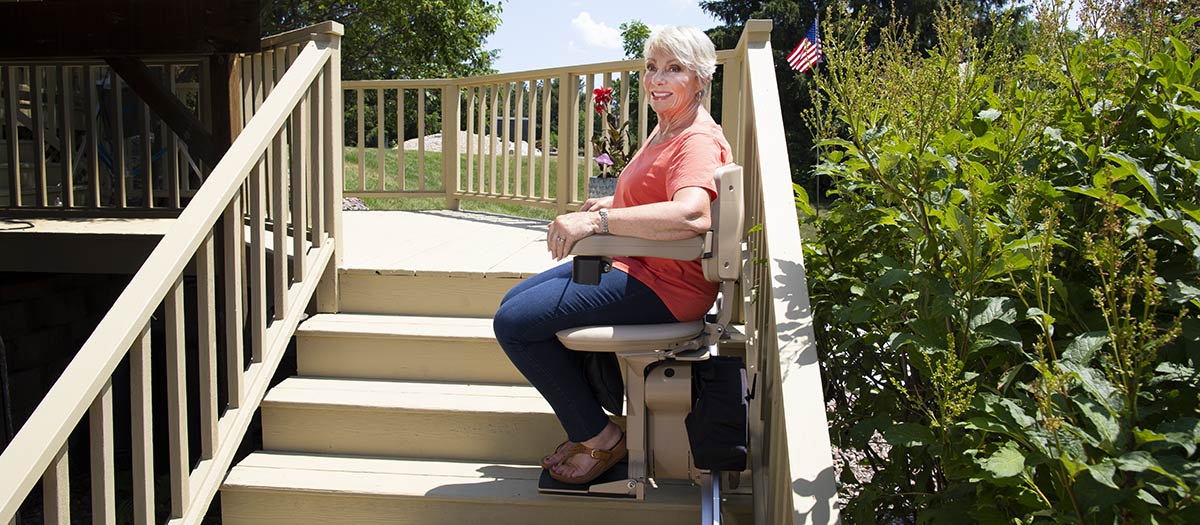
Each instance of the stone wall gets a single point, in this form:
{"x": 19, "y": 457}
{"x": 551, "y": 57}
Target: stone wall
{"x": 44, "y": 320}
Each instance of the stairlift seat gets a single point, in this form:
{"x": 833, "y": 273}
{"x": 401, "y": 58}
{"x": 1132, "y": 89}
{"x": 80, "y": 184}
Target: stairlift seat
{"x": 627, "y": 338}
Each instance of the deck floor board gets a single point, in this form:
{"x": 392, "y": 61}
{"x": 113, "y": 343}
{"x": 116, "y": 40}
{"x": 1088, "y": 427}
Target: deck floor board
{"x": 442, "y": 242}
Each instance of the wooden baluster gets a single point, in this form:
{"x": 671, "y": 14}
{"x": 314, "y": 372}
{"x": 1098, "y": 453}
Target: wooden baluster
{"x": 316, "y": 114}
{"x": 643, "y": 112}
{"x": 380, "y": 139}
{"x": 589, "y": 130}
{"x": 362, "y": 131}
{"x": 279, "y": 226}
{"x": 177, "y": 399}
{"x": 421, "y": 138}
{"x": 400, "y": 135}
{"x": 506, "y": 138}
{"x": 531, "y": 137}
{"x": 100, "y": 427}
{"x": 546, "y": 138}
{"x": 299, "y": 160}
{"x": 233, "y": 251}
{"x": 147, "y": 156}
{"x": 56, "y": 488}
{"x": 93, "y": 131}
{"x": 258, "y": 258}
{"x": 37, "y": 113}
{"x": 470, "y": 134}
{"x": 141, "y": 422}
{"x": 206, "y": 329}
{"x": 274, "y": 176}
{"x": 118, "y": 138}
{"x": 514, "y": 128}
{"x": 247, "y": 65}
{"x": 173, "y": 171}
{"x": 481, "y": 127}
{"x": 66, "y": 134}
{"x": 14, "y": 150}
{"x": 626, "y": 87}
{"x": 495, "y": 135}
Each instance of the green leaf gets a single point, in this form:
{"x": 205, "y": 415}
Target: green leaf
{"x": 1129, "y": 166}
{"x": 987, "y": 309}
{"x": 1006, "y": 462}
{"x": 998, "y": 332}
{"x": 1092, "y": 381}
{"x": 1103, "y": 473}
{"x": 1103, "y": 420}
{"x": 989, "y": 115}
{"x": 891, "y": 277}
{"x": 1142, "y": 461}
{"x": 1085, "y": 346}
{"x": 1181, "y": 292}
{"x": 802, "y": 200}
{"x": 908, "y": 435}
{"x": 1146, "y": 497}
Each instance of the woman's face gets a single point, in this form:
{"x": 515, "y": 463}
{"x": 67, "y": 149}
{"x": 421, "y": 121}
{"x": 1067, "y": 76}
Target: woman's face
{"x": 672, "y": 88}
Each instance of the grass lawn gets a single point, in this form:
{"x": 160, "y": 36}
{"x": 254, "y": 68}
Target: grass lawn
{"x": 433, "y": 182}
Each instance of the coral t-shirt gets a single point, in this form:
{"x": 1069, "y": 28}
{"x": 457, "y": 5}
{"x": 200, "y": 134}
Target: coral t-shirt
{"x": 654, "y": 174}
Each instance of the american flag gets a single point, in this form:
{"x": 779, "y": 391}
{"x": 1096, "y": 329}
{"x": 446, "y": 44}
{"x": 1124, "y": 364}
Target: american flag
{"x": 807, "y": 52}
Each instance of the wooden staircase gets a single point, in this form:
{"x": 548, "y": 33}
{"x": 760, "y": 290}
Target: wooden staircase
{"x": 405, "y": 410}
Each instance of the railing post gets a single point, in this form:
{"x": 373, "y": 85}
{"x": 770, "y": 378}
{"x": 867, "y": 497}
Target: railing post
{"x": 567, "y": 137}
{"x": 731, "y": 102}
{"x": 451, "y": 166}
{"x": 333, "y": 159}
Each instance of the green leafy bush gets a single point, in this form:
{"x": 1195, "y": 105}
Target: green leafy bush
{"x": 1006, "y": 285}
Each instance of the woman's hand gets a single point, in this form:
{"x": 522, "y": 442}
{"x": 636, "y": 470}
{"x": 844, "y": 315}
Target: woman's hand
{"x": 568, "y": 228}
{"x": 597, "y": 204}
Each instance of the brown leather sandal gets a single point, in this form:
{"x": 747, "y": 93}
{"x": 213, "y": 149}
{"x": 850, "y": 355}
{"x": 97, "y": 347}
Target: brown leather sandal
{"x": 546, "y": 463}
{"x": 607, "y": 458}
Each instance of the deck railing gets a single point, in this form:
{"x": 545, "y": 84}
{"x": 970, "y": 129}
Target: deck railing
{"x": 794, "y": 478}
{"x": 527, "y": 134}
{"x": 793, "y": 467}
{"x": 291, "y": 144}
{"x": 72, "y": 136}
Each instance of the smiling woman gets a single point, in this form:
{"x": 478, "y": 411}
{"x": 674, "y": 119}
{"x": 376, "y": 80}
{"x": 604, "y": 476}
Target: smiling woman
{"x": 664, "y": 193}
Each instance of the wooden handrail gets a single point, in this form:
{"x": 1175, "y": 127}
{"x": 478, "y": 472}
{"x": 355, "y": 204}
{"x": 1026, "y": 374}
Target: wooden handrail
{"x": 45, "y": 433}
{"x": 304, "y": 34}
{"x": 793, "y": 394}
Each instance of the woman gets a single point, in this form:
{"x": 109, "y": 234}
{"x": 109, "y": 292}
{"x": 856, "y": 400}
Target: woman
{"x": 663, "y": 194}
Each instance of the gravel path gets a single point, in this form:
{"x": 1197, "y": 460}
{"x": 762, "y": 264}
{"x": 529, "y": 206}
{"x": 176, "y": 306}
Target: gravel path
{"x": 434, "y": 143}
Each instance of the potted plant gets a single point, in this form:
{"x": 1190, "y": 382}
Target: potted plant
{"x": 609, "y": 143}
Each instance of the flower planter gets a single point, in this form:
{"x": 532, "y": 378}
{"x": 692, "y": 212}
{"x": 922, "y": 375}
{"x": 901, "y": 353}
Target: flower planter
{"x": 601, "y": 186}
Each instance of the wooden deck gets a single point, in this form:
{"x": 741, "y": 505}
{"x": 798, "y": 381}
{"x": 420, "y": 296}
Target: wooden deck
{"x": 444, "y": 243}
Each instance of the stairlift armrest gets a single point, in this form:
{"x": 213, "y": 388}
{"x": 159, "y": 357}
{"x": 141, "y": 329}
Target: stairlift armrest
{"x": 606, "y": 245}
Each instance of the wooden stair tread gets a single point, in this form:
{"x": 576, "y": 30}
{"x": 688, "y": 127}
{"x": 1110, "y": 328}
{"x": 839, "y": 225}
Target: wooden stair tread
{"x": 424, "y": 478}
{"x": 405, "y": 326}
{"x": 405, "y": 395}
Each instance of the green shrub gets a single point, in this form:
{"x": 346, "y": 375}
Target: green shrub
{"x": 1006, "y": 286}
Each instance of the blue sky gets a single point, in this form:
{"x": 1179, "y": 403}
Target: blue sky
{"x": 535, "y": 34}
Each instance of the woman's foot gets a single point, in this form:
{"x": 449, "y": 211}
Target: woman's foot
{"x": 579, "y": 464}
{"x": 558, "y": 455}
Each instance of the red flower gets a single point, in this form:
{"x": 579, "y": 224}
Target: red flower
{"x": 603, "y": 98}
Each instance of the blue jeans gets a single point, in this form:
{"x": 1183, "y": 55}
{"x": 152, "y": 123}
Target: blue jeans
{"x": 533, "y": 311}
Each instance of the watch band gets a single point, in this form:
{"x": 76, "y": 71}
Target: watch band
{"x": 603, "y": 221}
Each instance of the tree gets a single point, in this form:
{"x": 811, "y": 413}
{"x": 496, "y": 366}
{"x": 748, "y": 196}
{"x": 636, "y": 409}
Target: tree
{"x": 633, "y": 38}
{"x": 392, "y": 39}
{"x": 792, "y": 20}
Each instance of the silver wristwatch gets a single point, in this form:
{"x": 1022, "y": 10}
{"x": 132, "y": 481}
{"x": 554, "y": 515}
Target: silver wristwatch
{"x": 603, "y": 220}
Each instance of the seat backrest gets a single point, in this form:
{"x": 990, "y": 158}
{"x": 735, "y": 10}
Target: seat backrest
{"x": 728, "y": 218}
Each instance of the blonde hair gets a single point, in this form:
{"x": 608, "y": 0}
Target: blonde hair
{"x": 691, "y": 47}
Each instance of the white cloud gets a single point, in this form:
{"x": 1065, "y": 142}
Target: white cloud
{"x": 596, "y": 33}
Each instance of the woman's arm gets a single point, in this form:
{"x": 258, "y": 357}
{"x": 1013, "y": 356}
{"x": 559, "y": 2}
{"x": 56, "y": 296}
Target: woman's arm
{"x": 687, "y": 214}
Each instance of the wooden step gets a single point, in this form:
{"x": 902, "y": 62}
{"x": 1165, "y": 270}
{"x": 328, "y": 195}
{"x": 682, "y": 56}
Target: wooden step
{"x": 300, "y": 489}
{"x": 447, "y": 294}
{"x": 505, "y": 423}
{"x": 446, "y": 349}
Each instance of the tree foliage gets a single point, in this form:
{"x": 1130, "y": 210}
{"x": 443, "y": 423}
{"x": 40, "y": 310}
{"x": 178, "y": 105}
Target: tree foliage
{"x": 398, "y": 38}
{"x": 392, "y": 39}
{"x": 792, "y": 19}
{"x": 1005, "y": 288}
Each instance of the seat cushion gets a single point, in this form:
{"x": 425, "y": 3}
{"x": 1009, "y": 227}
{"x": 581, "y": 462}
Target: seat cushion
{"x": 621, "y": 338}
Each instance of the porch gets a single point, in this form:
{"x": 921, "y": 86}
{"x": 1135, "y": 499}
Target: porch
{"x": 383, "y": 307}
